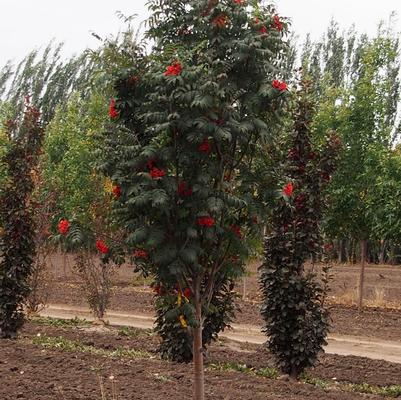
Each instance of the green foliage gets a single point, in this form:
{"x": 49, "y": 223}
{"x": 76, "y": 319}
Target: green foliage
{"x": 366, "y": 132}
{"x": 190, "y": 119}
{"x": 357, "y": 89}
{"x": 387, "y": 391}
{"x": 177, "y": 341}
{"x": 17, "y": 247}
{"x": 163, "y": 120}
{"x": 46, "y": 78}
{"x": 383, "y": 203}
{"x": 69, "y": 161}
{"x": 5, "y": 117}
{"x": 296, "y": 320}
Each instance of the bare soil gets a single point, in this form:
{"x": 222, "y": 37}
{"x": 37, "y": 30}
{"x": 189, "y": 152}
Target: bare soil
{"x": 31, "y": 372}
{"x": 381, "y": 319}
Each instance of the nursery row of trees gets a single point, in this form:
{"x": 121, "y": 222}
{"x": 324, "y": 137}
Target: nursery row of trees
{"x": 356, "y": 89}
{"x": 176, "y": 159}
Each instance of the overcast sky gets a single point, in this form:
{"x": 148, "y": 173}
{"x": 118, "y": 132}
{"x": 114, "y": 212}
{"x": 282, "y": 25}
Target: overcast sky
{"x": 28, "y": 24}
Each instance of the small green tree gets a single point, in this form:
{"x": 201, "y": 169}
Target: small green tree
{"x": 83, "y": 197}
{"x": 17, "y": 246}
{"x": 69, "y": 159}
{"x": 293, "y": 305}
{"x": 383, "y": 202}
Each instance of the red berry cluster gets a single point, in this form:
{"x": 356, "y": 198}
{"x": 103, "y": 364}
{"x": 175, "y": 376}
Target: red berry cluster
{"x": 113, "y": 112}
{"x": 174, "y": 69}
{"x": 139, "y": 253}
{"x": 102, "y": 247}
{"x": 206, "y": 221}
{"x": 205, "y": 147}
{"x": 184, "y": 190}
{"x": 279, "y": 85}
{"x": 64, "y": 226}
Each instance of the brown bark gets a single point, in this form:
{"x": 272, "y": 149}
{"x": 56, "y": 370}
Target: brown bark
{"x": 294, "y": 374}
{"x": 353, "y": 252}
{"x": 362, "y": 275}
{"x": 345, "y": 243}
{"x": 383, "y": 245}
{"x": 65, "y": 265}
{"x": 342, "y": 257}
{"x": 199, "y": 390}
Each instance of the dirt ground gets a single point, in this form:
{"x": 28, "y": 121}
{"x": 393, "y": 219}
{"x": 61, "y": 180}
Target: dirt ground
{"x": 31, "y": 371}
{"x": 382, "y": 282}
{"x": 132, "y": 293}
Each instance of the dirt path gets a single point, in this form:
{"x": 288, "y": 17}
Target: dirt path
{"x": 337, "y": 344}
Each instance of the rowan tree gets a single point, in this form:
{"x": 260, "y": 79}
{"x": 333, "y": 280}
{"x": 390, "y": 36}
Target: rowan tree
{"x": 184, "y": 136}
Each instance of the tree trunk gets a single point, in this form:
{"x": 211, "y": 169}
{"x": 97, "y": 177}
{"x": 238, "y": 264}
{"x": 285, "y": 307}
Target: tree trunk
{"x": 392, "y": 254}
{"x": 362, "y": 275}
{"x": 339, "y": 251}
{"x": 342, "y": 251}
{"x": 353, "y": 251}
{"x": 347, "y": 251}
{"x": 199, "y": 389}
{"x": 383, "y": 245}
{"x": 65, "y": 265}
{"x": 294, "y": 374}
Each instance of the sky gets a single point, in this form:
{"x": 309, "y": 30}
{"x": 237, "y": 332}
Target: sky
{"x": 27, "y": 24}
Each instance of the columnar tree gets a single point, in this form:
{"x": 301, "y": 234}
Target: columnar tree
{"x": 17, "y": 246}
{"x": 296, "y": 320}
{"x": 197, "y": 112}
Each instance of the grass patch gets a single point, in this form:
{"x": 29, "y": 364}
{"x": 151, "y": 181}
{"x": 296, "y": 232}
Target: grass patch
{"x": 325, "y": 384}
{"x": 162, "y": 378}
{"x": 365, "y": 388}
{"x": 234, "y": 367}
{"x": 387, "y": 391}
{"x": 270, "y": 373}
{"x": 130, "y": 332}
{"x": 64, "y": 344}
{"x": 319, "y": 382}
{"x": 61, "y": 323}
{"x": 125, "y": 331}
{"x": 139, "y": 280}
